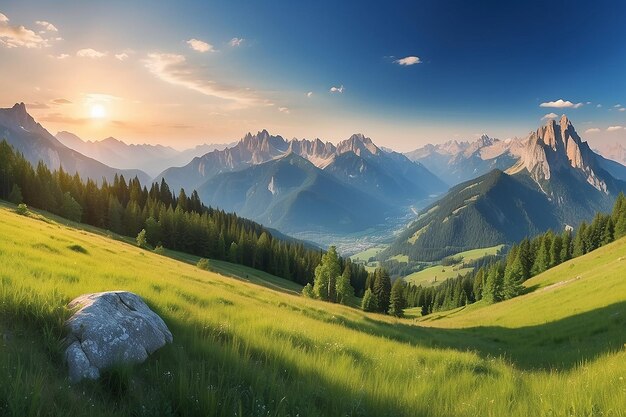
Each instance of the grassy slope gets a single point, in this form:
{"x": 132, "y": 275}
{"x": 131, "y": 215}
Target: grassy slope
{"x": 426, "y": 277}
{"x": 476, "y": 254}
{"x": 242, "y": 349}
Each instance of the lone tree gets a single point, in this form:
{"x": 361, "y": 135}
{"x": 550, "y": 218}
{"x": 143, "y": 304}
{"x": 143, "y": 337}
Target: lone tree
{"x": 397, "y": 301}
{"x": 326, "y": 273}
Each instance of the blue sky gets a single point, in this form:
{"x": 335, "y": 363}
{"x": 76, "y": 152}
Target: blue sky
{"x": 476, "y": 67}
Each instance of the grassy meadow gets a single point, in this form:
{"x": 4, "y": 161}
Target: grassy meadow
{"x": 246, "y": 344}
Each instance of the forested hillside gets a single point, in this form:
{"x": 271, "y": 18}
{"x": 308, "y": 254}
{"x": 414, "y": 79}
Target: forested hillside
{"x": 180, "y": 222}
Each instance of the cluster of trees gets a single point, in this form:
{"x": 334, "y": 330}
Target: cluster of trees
{"x": 380, "y": 296}
{"x": 502, "y": 279}
{"x": 333, "y": 285}
{"x": 180, "y": 223}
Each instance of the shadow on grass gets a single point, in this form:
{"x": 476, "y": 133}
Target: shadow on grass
{"x": 559, "y": 344}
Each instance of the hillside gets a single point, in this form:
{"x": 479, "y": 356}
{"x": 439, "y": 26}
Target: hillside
{"x": 242, "y": 349}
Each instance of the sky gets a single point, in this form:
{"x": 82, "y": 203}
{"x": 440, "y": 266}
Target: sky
{"x": 404, "y": 73}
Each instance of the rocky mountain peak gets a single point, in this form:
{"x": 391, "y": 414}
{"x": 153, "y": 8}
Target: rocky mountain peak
{"x": 359, "y": 144}
{"x": 557, "y": 146}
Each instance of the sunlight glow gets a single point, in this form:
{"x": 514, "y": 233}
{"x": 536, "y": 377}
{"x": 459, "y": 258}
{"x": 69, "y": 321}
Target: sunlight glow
{"x": 98, "y": 111}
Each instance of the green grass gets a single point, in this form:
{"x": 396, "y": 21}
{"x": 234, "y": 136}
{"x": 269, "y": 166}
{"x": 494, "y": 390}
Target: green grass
{"x": 244, "y": 349}
{"x": 400, "y": 258}
{"x": 435, "y": 275}
{"x": 365, "y": 255}
{"x": 476, "y": 254}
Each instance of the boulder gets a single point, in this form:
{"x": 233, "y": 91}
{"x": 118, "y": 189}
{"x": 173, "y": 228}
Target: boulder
{"x": 110, "y": 328}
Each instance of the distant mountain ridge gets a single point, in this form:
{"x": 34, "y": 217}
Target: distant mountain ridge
{"x": 237, "y": 178}
{"x": 556, "y": 182}
{"x": 152, "y": 159}
{"x": 456, "y": 162}
{"x": 37, "y": 144}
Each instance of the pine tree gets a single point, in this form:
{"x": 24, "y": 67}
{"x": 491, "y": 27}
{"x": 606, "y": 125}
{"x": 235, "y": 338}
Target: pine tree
{"x": 397, "y": 302}
{"x": 525, "y": 258}
{"x": 369, "y": 302}
{"x": 70, "y": 209}
{"x": 15, "y": 196}
{"x": 513, "y": 278}
{"x": 542, "y": 260}
{"x": 580, "y": 247}
{"x": 555, "y": 251}
{"x": 493, "y": 289}
{"x": 566, "y": 247}
{"x": 382, "y": 289}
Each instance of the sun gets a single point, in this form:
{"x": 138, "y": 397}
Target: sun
{"x": 98, "y": 111}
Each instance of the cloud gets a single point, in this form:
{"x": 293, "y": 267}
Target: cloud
{"x": 283, "y": 110}
{"x": 60, "y": 56}
{"x": 592, "y": 130}
{"x": 61, "y": 101}
{"x": 18, "y": 36}
{"x": 617, "y": 106}
{"x": 121, "y": 57}
{"x": 622, "y": 109}
{"x": 63, "y": 119}
{"x": 614, "y": 128}
{"x": 337, "y": 89}
{"x": 36, "y": 105}
{"x": 598, "y": 105}
{"x": 408, "y": 60}
{"x": 174, "y": 69}
{"x": 100, "y": 98}
{"x": 49, "y": 27}
{"x": 560, "y": 104}
{"x": 200, "y": 46}
{"x": 309, "y": 94}
{"x": 234, "y": 42}
{"x": 90, "y": 53}
{"x": 550, "y": 116}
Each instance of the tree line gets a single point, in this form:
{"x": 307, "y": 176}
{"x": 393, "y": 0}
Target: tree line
{"x": 502, "y": 279}
{"x": 181, "y": 223}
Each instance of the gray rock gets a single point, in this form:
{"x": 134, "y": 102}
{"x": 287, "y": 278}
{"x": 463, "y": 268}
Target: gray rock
{"x": 109, "y": 328}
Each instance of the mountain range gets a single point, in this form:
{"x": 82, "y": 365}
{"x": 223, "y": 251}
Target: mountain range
{"x": 37, "y": 144}
{"x": 151, "y": 159}
{"x": 502, "y": 190}
{"x": 287, "y": 184}
{"x": 557, "y": 181}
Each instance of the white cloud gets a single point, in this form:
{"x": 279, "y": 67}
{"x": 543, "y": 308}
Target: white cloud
{"x": 19, "y": 36}
{"x": 90, "y": 53}
{"x": 174, "y": 69}
{"x": 121, "y": 57}
{"x": 60, "y": 56}
{"x": 614, "y": 128}
{"x": 200, "y": 46}
{"x": 49, "y": 27}
{"x": 234, "y": 42}
{"x": 550, "y": 116}
{"x": 560, "y": 103}
{"x": 617, "y": 106}
{"x": 334, "y": 89}
{"x": 622, "y": 109}
{"x": 408, "y": 60}
{"x": 592, "y": 130}
{"x": 598, "y": 105}
{"x": 309, "y": 94}
{"x": 283, "y": 110}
